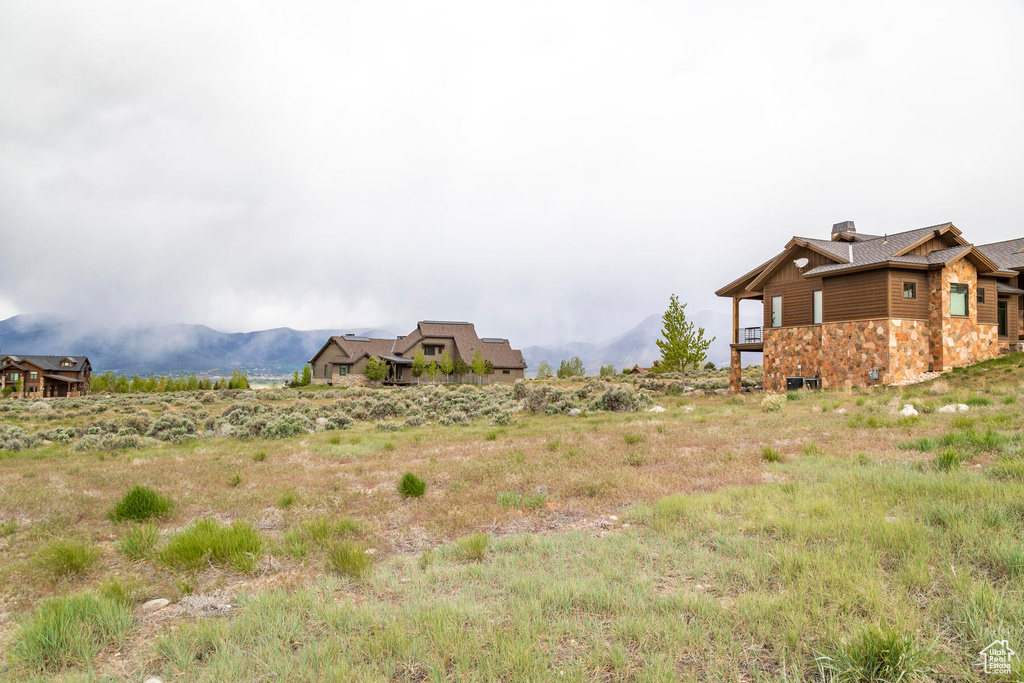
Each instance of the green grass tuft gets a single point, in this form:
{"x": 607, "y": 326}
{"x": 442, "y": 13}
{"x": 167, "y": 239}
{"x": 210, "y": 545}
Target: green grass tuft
{"x": 632, "y": 438}
{"x": 139, "y": 542}
{"x": 473, "y": 548}
{"x": 207, "y": 542}
{"x": 947, "y": 460}
{"x": 1007, "y": 469}
{"x": 349, "y": 558}
{"x": 411, "y": 486}
{"x": 259, "y": 456}
{"x": 287, "y": 499}
{"x": 139, "y": 504}
{"x": 62, "y": 558}
{"x": 877, "y": 655}
{"x": 771, "y": 454}
{"x": 511, "y": 499}
{"x": 69, "y": 631}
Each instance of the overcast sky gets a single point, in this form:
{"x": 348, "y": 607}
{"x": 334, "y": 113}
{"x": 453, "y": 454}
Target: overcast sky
{"x": 550, "y": 170}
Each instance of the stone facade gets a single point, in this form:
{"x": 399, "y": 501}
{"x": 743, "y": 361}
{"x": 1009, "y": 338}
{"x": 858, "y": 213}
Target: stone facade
{"x": 910, "y": 353}
{"x": 735, "y": 371}
{"x": 336, "y": 380}
{"x": 841, "y": 354}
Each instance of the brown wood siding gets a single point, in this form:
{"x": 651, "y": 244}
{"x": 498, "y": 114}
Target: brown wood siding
{"x": 797, "y": 301}
{"x": 934, "y": 244}
{"x": 988, "y": 312}
{"x": 788, "y": 271}
{"x": 857, "y": 296}
{"x": 1011, "y": 317}
{"x": 909, "y": 309}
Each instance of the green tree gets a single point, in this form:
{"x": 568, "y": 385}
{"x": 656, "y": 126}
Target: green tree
{"x": 543, "y": 370}
{"x": 419, "y": 365}
{"x": 572, "y": 368}
{"x": 446, "y": 365}
{"x": 683, "y": 343}
{"x": 19, "y": 386}
{"x": 462, "y": 368}
{"x": 607, "y": 370}
{"x": 238, "y": 381}
{"x": 376, "y": 371}
{"x": 307, "y": 376}
{"x": 295, "y": 380}
{"x": 479, "y": 365}
{"x": 433, "y": 372}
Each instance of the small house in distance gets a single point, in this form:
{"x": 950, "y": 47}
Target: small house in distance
{"x": 859, "y": 310}
{"x": 45, "y": 376}
{"x": 342, "y": 360}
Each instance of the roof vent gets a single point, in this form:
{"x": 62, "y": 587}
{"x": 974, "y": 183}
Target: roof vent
{"x": 841, "y": 228}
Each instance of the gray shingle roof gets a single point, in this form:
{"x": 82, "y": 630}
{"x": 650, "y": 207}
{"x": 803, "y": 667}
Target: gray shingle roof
{"x": 52, "y": 363}
{"x": 1007, "y": 254}
{"x": 880, "y": 250}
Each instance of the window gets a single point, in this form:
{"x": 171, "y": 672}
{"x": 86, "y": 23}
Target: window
{"x": 14, "y": 377}
{"x": 505, "y": 372}
{"x": 33, "y": 375}
{"x": 428, "y": 350}
{"x": 981, "y": 295}
{"x": 816, "y": 305}
{"x": 1004, "y": 328}
{"x": 342, "y": 369}
{"x": 776, "y": 311}
{"x": 909, "y": 290}
{"x": 957, "y": 299}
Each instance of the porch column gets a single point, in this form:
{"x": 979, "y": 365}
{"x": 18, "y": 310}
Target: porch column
{"x": 735, "y": 320}
{"x": 735, "y": 371}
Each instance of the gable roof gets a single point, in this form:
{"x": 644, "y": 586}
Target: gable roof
{"x": 495, "y": 349}
{"x": 50, "y": 363}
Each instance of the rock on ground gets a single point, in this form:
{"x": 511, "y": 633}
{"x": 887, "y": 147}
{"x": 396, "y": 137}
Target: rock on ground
{"x": 908, "y": 411}
{"x": 656, "y": 409}
{"x": 575, "y": 412}
{"x": 154, "y": 605}
{"x": 953, "y": 408}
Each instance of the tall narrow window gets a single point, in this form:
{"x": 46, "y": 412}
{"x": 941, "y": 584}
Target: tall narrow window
{"x": 776, "y": 311}
{"x": 909, "y": 290}
{"x": 981, "y": 295}
{"x": 957, "y": 299}
{"x": 816, "y": 305}
{"x": 1002, "y": 319}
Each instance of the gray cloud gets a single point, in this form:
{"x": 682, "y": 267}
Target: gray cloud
{"x": 548, "y": 170}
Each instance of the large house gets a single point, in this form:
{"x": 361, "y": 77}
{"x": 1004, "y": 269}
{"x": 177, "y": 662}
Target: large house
{"x": 342, "y": 360}
{"x": 45, "y": 376}
{"x": 859, "y": 310}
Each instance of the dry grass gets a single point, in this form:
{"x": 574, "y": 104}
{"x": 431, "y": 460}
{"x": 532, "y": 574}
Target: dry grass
{"x": 307, "y": 496}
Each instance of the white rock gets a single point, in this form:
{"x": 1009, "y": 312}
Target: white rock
{"x": 656, "y": 409}
{"x": 721, "y": 392}
{"x": 953, "y": 408}
{"x": 152, "y": 680}
{"x": 962, "y": 407}
{"x": 840, "y": 410}
{"x": 154, "y": 605}
{"x": 908, "y": 411}
{"x": 321, "y": 422}
{"x": 575, "y": 412}
{"x": 687, "y": 409}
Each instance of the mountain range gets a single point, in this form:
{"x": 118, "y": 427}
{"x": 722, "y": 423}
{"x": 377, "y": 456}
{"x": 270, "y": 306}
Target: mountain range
{"x": 184, "y": 348}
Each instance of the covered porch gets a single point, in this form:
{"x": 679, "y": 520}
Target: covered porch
{"x": 744, "y": 339}
{"x": 399, "y": 370}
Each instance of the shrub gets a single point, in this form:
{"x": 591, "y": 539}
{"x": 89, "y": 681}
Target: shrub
{"x": 138, "y": 504}
{"x": 139, "y": 542}
{"x": 68, "y": 631}
{"x": 411, "y": 486}
{"x": 66, "y": 558}
{"x": 389, "y": 426}
{"x": 877, "y": 655}
{"x": 173, "y": 428}
{"x": 206, "y": 541}
{"x": 772, "y": 402}
{"x": 473, "y": 548}
{"x": 947, "y": 459}
{"x": 621, "y": 399}
{"x": 287, "y": 426}
{"x": 771, "y": 454}
{"x": 349, "y": 558}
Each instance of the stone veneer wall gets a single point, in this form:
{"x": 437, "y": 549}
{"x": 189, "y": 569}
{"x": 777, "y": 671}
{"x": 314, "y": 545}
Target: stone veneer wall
{"x": 350, "y": 380}
{"x": 910, "y": 353}
{"x": 842, "y": 354}
{"x": 958, "y": 341}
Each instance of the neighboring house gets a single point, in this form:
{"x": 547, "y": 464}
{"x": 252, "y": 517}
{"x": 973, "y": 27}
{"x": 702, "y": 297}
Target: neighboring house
{"x": 46, "y": 376}
{"x": 858, "y": 310}
{"x": 636, "y": 370}
{"x": 342, "y": 360}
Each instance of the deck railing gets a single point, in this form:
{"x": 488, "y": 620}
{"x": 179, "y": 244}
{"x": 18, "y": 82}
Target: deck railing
{"x": 750, "y": 335}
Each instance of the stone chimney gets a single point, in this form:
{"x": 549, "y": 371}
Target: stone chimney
{"x": 844, "y": 228}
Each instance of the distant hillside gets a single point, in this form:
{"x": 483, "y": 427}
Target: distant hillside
{"x": 181, "y": 348}
{"x": 167, "y": 349}
{"x": 636, "y": 347}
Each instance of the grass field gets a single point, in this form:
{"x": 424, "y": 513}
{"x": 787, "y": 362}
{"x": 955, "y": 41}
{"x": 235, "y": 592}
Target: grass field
{"x": 438, "y": 534}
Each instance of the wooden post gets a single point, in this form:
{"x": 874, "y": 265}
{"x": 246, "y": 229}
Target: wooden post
{"x": 735, "y": 320}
